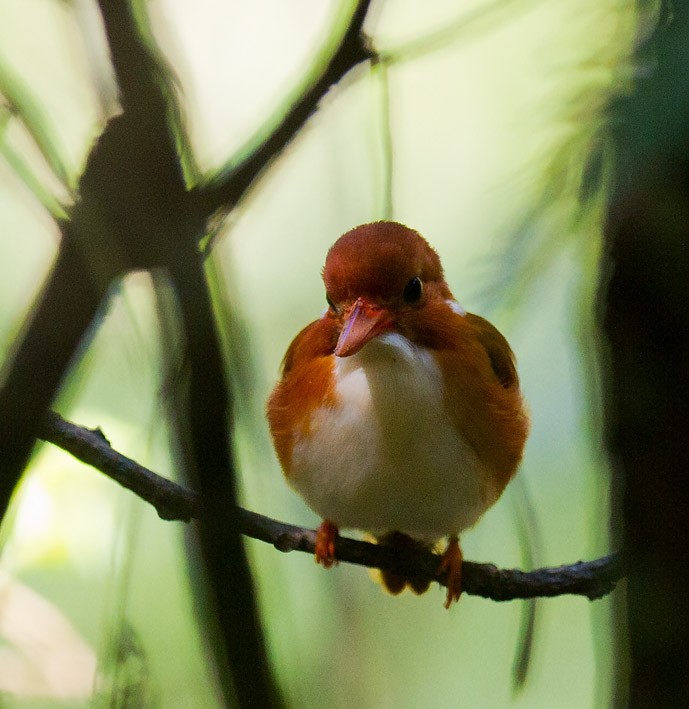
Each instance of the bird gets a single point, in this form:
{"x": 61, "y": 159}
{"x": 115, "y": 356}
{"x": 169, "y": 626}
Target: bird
{"x": 397, "y": 412}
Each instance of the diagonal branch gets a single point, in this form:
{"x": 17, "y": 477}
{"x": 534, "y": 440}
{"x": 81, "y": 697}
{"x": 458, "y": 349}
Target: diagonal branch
{"x": 592, "y": 579}
{"x": 229, "y": 188}
{"x": 468, "y": 24}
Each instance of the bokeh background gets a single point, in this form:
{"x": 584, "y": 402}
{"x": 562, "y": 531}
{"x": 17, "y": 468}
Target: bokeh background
{"x": 477, "y": 130}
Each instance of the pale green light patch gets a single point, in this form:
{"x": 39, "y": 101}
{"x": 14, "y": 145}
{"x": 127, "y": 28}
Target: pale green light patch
{"x": 65, "y": 511}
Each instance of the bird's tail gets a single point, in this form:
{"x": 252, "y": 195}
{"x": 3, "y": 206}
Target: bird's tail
{"x": 396, "y": 583}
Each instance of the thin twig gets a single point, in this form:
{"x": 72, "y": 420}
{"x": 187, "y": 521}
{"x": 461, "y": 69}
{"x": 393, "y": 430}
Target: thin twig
{"x": 592, "y": 579}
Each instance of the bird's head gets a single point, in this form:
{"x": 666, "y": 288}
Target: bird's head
{"x": 378, "y": 278}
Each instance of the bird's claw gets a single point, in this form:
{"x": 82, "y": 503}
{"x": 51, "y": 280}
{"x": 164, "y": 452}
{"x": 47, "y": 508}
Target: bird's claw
{"x": 451, "y": 564}
{"x": 326, "y": 535}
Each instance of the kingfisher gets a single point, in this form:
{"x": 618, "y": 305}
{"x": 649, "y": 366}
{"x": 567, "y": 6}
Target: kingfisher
{"x": 397, "y": 412}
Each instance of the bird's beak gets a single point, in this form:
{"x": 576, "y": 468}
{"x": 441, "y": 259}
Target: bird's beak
{"x": 363, "y": 322}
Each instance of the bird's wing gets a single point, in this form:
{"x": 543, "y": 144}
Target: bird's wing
{"x": 482, "y": 395}
{"x": 317, "y": 339}
{"x": 501, "y": 356}
{"x": 307, "y": 383}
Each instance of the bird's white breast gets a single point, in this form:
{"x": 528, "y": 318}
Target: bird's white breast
{"x": 387, "y": 457}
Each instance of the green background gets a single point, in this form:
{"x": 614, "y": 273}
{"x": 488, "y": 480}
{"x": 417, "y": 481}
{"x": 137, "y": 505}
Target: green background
{"x": 492, "y": 110}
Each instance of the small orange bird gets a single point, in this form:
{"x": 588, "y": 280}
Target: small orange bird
{"x": 398, "y": 413}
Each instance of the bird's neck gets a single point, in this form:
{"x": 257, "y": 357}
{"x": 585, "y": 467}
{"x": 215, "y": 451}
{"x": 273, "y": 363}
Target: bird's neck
{"x": 393, "y": 376}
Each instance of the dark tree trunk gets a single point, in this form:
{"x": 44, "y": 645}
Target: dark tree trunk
{"x": 646, "y": 320}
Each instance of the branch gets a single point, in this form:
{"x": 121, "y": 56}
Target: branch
{"x": 592, "y": 579}
{"x": 229, "y": 188}
{"x": 468, "y": 24}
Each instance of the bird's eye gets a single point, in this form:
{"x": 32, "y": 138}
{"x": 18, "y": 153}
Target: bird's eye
{"x": 330, "y": 303}
{"x": 413, "y": 290}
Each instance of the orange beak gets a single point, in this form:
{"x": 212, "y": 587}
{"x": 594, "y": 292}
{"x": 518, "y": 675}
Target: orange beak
{"x": 363, "y": 322}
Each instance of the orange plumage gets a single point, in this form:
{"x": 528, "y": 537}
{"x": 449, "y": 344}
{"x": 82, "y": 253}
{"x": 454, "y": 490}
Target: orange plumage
{"x": 397, "y": 413}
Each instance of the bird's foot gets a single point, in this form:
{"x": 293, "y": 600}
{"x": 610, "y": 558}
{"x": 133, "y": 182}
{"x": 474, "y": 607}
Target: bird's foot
{"x": 326, "y": 535}
{"x": 452, "y": 565}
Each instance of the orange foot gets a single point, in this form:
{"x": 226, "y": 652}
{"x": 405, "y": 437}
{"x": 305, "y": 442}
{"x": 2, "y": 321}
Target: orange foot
{"x": 452, "y": 564}
{"x": 326, "y": 535}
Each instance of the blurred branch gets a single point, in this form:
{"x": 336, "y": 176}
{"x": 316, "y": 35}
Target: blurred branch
{"x": 132, "y": 213}
{"x": 469, "y": 24}
{"x": 22, "y": 103}
{"x": 592, "y": 579}
{"x": 229, "y": 188}
{"x": 381, "y": 69}
{"x": 20, "y": 168}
